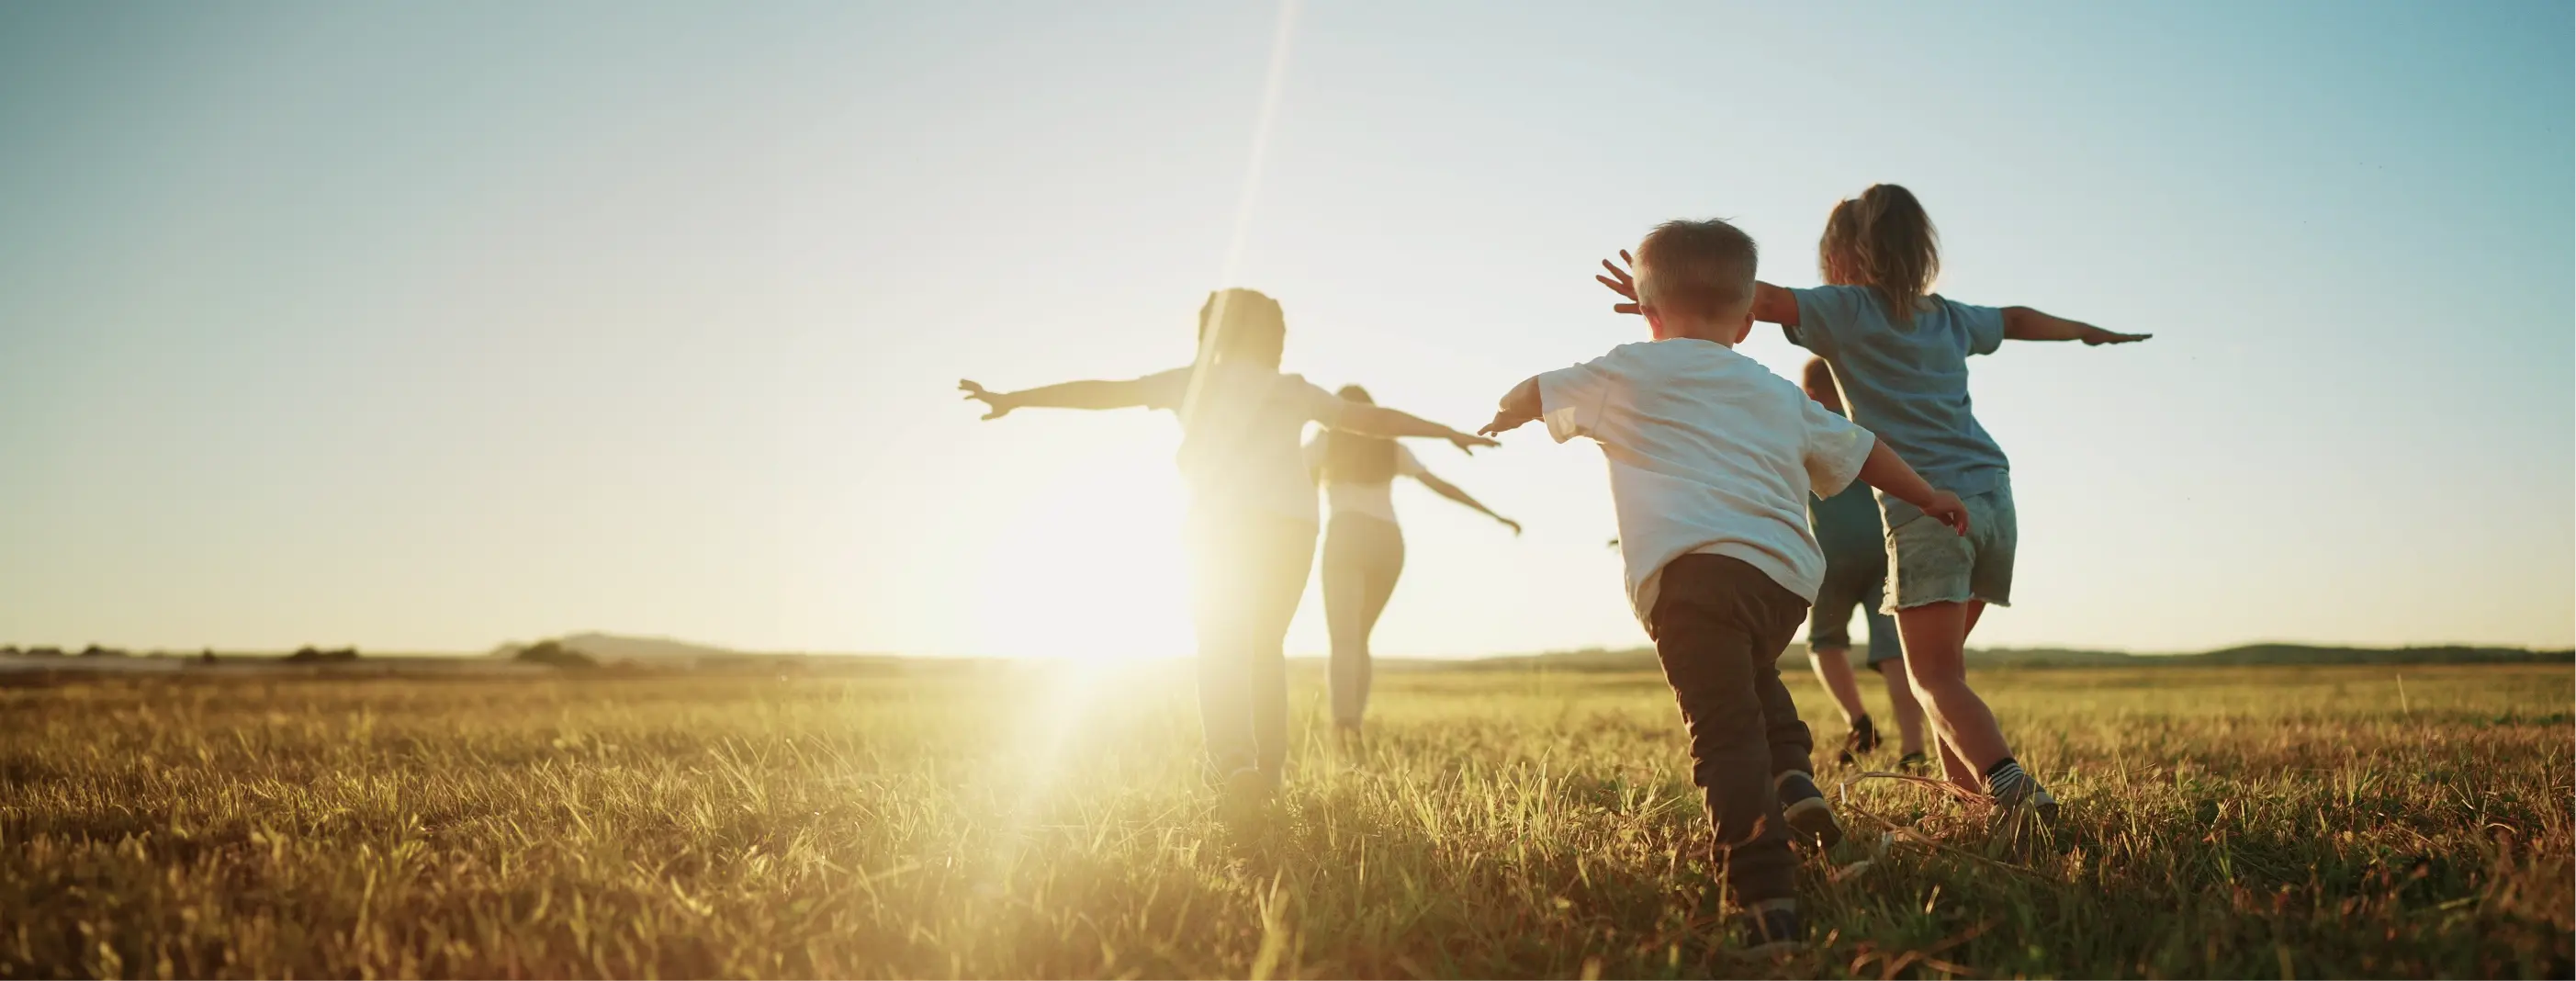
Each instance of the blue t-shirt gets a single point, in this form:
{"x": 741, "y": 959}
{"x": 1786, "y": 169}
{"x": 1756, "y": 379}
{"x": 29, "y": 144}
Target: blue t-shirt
{"x": 1909, "y": 383}
{"x": 1847, "y": 527}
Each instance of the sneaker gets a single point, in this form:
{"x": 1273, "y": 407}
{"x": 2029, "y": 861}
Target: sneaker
{"x": 1859, "y": 742}
{"x": 1772, "y": 929}
{"x": 1806, "y": 810}
{"x": 1914, "y": 763}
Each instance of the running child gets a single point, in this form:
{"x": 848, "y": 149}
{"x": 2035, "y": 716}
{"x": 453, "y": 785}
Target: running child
{"x": 1855, "y": 546}
{"x": 1251, "y": 518}
{"x": 1900, "y": 352}
{"x": 1712, "y": 458}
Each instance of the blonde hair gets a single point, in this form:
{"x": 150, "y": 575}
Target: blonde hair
{"x": 1834, "y": 251}
{"x": 1702, "y": 268}
{"x": 1894, "y": 248}
{"x": 1246, "y": 326}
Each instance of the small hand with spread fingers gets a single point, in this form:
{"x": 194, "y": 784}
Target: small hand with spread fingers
{"x": 1000, "y": 403}
{"x": 1622, "y": 282}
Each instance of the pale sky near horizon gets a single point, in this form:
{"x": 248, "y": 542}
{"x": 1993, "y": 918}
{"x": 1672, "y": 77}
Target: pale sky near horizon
{"x": 429, "y": 327}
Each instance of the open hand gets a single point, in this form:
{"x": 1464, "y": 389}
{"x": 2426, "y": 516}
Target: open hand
{"x": 999, "y": 402}
{"x": 1467, "y": 442}
{"x": 2093, "y": 336}
{"x": 1621, "y": 282}
{"x": 1946, "y": 508}
{"x": 1503, "y": 422}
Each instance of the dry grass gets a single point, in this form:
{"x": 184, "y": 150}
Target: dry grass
{"x": 2219, "y": 822}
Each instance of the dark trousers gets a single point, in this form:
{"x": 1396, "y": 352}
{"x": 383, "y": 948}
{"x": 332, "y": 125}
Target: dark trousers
{"x": 1249, "y": 572}
{"x": 1719, "y": 626}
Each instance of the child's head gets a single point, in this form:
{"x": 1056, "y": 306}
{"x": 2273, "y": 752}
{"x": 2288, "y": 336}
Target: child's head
{"x": 1695, "y": 279}
{"x": 1891, "y": 247}
{"x": 1242, "y": 325}
{"x": 1819, "y": 383}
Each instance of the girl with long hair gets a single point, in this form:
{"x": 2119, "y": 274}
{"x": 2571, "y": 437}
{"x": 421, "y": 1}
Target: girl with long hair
{"x": 1900, "y": 353}
{"x": 1364, "y": 546}
{"x": 1251, "y": 522}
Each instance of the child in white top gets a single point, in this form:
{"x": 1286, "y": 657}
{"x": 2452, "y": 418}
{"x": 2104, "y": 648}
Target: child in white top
{"x": 1252, "y": 510}
{"x": 1712, "y": 458}
{"x": 1899, "y": 353}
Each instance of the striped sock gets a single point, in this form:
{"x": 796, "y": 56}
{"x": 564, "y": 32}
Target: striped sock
{"x": 2006, "y": 781}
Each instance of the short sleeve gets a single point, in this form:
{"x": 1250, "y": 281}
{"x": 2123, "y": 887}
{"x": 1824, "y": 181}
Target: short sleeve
{"x": 1313, "y": 401}
{"x": 1825, "y": 312}
{"x": 1984, "y": 326}
{"x": 1570, "y": 400}
{"x": 1406, "y": 464}
{"x": 1835, "y": 449}
{"x": 1165, "y": 390}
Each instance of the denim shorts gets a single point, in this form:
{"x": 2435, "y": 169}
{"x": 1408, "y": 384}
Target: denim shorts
{"x": 1849, "y": 584}
{"x": 1929, "y": 563}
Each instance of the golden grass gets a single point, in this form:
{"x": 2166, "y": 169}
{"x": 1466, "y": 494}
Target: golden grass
{"x": 1014, "y": 823}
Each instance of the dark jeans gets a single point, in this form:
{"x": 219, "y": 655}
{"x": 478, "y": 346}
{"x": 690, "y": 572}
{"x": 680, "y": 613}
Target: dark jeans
{"x": 1249, "y": 572}
{"x": 1719, "y": 627}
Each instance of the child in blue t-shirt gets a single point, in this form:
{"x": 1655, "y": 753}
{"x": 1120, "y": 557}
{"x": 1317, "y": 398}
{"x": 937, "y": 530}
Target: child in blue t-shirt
{"x": 1900, "y": 353}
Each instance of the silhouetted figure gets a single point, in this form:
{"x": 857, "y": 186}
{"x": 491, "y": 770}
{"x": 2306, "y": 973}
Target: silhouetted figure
{"x": 1364, "y": 547}
{"x": 1251, "y": 523}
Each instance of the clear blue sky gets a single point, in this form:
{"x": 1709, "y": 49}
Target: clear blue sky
{"x": 424, "y": 327}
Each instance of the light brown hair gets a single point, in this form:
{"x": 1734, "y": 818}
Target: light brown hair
{"x": 1819, "y": 378}
{"x": 1357, "y": 459}
{"x": 1835, "y": 250}
{"x": 1696, "y": 268}
{"x": 1895, "y": 250}
{"x": 1242, "y": 325}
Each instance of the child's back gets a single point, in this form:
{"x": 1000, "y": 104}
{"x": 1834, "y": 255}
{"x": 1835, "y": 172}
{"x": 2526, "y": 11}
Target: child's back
{"x": 1909, "y": 382}
{"x": 1709, "y": 453}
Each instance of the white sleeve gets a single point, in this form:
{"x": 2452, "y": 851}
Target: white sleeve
{"x": 1571, "y": 399}
{"x": 1406, "y": 464}
{"x": 1835, "y": 449}
{"x": 1317, "y": 404}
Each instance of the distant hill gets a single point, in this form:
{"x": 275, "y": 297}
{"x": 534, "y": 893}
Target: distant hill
{"x": 1643, "y": 658}
{"x": 643, "y": 651}
{"x": 2304, "y": 654}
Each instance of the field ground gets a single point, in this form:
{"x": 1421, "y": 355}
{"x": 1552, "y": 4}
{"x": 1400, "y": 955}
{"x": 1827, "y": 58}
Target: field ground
{"x": 2254, "y": 822}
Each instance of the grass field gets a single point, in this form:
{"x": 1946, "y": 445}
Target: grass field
{"x": 2219, "y": 822}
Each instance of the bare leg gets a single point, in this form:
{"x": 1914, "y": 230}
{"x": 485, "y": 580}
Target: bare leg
{"x": 1908, "y": 712}
{"x": 1833, "y": 667}
{"x": 1936, "y": 638}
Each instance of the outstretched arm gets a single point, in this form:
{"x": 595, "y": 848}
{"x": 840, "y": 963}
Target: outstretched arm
{"x": 2026, "y": 324}
{"x": 1069, "y": 395}
{"x": 1519, "y": 406}
{"x": 1888, "y": 472}
{"x": 1773, "y": 305}
{"x": 1451, "y": 491}
{"x": 1386, "y": 423}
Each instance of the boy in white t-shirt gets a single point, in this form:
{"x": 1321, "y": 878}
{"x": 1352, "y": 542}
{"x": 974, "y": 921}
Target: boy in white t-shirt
{"x": 1711, "y": 460}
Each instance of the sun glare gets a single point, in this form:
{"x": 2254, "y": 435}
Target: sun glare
{"x": 1090, "y": 569}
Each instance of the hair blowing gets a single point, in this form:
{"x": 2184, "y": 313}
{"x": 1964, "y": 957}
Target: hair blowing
{"x": 1357, "y": 459}
{"x": 1895, "y": 250}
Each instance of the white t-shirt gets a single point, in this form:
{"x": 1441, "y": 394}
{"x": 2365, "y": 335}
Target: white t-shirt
{"x": 1240, "y": 452}
{"x": 1373, "y": 499}
{"x": 1709, "y": 453}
